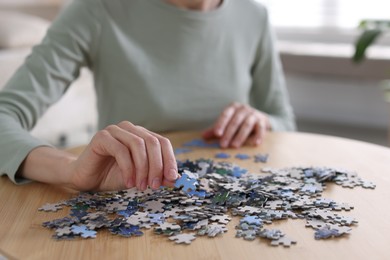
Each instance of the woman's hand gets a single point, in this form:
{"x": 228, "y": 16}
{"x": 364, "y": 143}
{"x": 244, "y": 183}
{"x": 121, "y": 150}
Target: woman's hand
{"x": 123, "y": 156}
{"x": 237, "y": 124}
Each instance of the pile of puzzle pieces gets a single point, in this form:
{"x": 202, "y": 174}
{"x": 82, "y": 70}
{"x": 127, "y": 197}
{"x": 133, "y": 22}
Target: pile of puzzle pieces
{"x": 204, "y": 199}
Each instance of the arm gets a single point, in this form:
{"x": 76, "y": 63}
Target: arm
{"x": 269, "y": 93}
{"x": 48, "y": 165}
{"x": 118, "y": 157}
{"x": 269, "y": 107}
{"x": 42, "y": 80}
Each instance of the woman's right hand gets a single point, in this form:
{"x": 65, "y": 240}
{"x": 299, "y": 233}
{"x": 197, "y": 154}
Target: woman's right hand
{"x": 123, "y": 156}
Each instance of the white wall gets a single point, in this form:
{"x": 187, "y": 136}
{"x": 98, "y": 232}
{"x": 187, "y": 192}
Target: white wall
{"x": 338, "y": 100}
{"x": 325, "y": 85}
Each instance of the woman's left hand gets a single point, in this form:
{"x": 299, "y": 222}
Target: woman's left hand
{"x": 237, "y": 124}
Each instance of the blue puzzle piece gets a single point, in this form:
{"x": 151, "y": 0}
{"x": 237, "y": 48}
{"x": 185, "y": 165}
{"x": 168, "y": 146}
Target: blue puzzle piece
{"x": 222, "y": 156}
{"x": 200, "y": 194}
{"x": 186, "y": 182}
{"x": 252, "y": 220}
{"x": 200, "y": 143}
{"x": 182, "y": 150}
{"x": 83, "y": 231}
{"x": 128, "y": 212}
{"x": 129, "y": 231}
{"x": 189, "y": 225}
{"x": 242, "y": 156}
{"x": 157, "y": 218}
{"x": 238, "y": 171}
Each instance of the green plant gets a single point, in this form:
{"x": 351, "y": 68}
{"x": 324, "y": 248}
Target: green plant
{"x": 372, "y": 30}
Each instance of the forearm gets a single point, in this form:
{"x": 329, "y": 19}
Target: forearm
{"x": 48, "y": 165}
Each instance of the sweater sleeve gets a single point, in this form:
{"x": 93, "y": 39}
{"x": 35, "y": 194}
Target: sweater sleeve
{"x": 41, "y": 81}
{"x": 269, "y": 93}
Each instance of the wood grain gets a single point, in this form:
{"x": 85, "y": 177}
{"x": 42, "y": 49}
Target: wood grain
{"x": 23, "y": 237}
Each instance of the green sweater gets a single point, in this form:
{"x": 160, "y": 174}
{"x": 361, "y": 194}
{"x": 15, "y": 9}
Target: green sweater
{"x": 154, "y": 64}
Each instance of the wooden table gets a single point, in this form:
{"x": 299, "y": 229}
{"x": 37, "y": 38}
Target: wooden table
{"x": 23, "y": 237}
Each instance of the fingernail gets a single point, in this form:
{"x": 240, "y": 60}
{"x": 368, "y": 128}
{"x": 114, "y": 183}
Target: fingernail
{"x": 156, "y": 183}
{"x": 143, "y": 185}
{"x": 218, "y": 132}
{"x": 172, "y": 174}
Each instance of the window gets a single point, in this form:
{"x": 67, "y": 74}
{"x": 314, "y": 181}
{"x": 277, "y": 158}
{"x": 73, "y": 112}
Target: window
{"x": 325, "y": 13}
{"x": 325, "y": 21}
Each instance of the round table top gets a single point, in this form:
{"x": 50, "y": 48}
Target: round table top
{"x": 23, "y": 237}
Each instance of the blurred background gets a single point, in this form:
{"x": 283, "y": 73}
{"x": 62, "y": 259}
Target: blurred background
{"x": 330, "y": 94}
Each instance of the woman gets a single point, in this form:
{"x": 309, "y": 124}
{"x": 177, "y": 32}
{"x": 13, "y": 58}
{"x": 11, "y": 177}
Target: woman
{"x": 158, "y": 66}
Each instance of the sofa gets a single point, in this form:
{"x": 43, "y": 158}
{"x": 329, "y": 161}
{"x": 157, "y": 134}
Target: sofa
{"x": 72, "y": 120}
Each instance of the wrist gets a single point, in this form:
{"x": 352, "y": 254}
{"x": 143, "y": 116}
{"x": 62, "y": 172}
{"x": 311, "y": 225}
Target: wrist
{"x": 48, "y": 165}
{"x": 66, "y": 170}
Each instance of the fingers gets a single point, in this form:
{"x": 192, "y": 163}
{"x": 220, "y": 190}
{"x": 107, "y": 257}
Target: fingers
{"x": 233, "y": 126}
{"x": 150, "y": 146}
{"x": 136, "y": 153}
{"x": 259, "y": 133}
{"x": 169, "y": 161}
{"x": 224, "y": 119}
{"x": 160, "y": 158}
{"x": 237, "y": 124}
{"x": 169, "y": 171}
{"x": 245, "y": 130}
{"x": 105, "y": 144}
{"x": 143, "y": 159}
